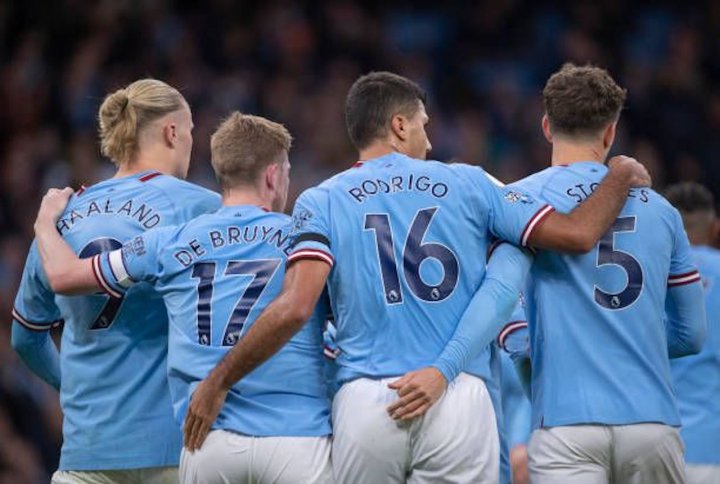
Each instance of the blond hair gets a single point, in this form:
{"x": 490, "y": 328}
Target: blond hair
{"x": 243, "y": 145}
{"x": 126, "y": 112}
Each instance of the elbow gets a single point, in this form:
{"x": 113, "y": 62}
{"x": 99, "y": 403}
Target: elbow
{"x": 298, "y": 314}
{"x": 580, "y": 242}
{"x": 61, "y": 284}
{"x": 696, "y": 343}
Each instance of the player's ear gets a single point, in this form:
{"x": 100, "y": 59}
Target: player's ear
{"x": 547, "y": 131}
{"x": 609, "y": 135}
{"x": 271, "y": 176}
{"x": 399, "y": 127}
{"x": 170, "y": 134}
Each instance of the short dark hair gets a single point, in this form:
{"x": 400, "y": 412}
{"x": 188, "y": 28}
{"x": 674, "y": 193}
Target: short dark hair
{"x": 690, "y": 197}
{"x": 581, "y": 100}
{"x": 373, "y": 100}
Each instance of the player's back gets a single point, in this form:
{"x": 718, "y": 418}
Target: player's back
{"x": 114, "y": 392}
{"x": 217, "y": 273}
{"x": 409, "y": 240}
{"x": 697, "y": 377}
{"x": 598, "y": 338}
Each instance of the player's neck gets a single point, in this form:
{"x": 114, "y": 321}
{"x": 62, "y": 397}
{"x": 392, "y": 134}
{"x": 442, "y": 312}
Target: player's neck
{"x": 145, "y": 162}
{"x": 565, "y": 153}
{"x": 376, "y": 150}
{"x": 246, "y": 196}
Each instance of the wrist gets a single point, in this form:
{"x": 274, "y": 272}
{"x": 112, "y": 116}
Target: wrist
{"x": 444, "y": 373}
{"x": 622, "y": 172}
{"x": 218, "y": 380}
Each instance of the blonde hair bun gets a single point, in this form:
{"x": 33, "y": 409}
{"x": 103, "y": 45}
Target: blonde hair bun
{"x": 127, "y": 111}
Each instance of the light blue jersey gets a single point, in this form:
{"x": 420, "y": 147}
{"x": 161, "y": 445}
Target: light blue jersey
{"x": 114, "y": 390}
{"x": 216, "y": 274}
{"x": 408, "y": 241}
{"x": 599, "y": 347}
{"x": 697, "y": 377}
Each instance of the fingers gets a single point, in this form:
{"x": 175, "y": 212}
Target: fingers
{"x": 394, "y": 385}
{"x": 200, "y": 434}
{"x": 188, "y": 429}
{"x": 422, "y": 407}
{"x": 396, "y": 407}
{"x": 196, "y": 429}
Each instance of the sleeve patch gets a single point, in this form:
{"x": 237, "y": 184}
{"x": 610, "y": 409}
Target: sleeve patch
{"x": 682, "y": 279}
{"x": 102, "y": 282}
{"x": 311, "y": 254}
{"x": 534, "y": 222}
{"x": 509, "y": 329}
{"x": 33, "y": 325}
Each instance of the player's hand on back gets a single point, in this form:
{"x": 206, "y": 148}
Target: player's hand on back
{"x": 639, "y": 175}
{"x": 53, "y": 204}
{"x": 417, "y": 391}
{"x": 205, "y": 404}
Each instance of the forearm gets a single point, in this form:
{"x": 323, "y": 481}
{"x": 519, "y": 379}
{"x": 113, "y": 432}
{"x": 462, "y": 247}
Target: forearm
{"x": 580, "y": 230}
{"x": 38, "y": 351}
{"x": 686, "y": 320}
{"x": 490, "y": 308}
{"x": 66, "y": 272}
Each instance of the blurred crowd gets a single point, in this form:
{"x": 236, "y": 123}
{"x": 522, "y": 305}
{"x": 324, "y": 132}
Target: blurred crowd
{"x": 483, "y": 62}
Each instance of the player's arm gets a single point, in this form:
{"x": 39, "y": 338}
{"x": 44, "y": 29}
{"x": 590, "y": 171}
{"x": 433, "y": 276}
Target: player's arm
{"x": 66, "y": 272}
{"x": 514, "y": 339}
{"x": 686, "y": 318}
{"x": 685, "y": 302}
{"x": 303, "y": 284}
{"x": 38, "y": 351}
{"x": 579, "y": 230}
{"x": 491, "y": 306}
{"x": 34, "y": 315}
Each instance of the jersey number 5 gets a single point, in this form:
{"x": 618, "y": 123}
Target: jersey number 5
{"x": 261, "y": 270}
{"x": 609, "y": 255}
{"x": 414, "y": 253}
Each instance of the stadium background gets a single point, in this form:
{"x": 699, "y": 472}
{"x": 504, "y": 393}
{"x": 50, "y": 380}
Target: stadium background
{"x": 483, "y": 63}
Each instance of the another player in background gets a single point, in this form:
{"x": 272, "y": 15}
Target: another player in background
{"x": 603, "y": 403}
{"x": 402, "y": 243}
{"x": 118, "y": 424}
{"x": 216, "y": 274}
{"x": 697, "y": 378}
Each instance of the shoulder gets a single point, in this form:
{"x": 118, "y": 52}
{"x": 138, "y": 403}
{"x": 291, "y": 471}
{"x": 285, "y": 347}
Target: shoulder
{"x": 315, "y": 195}
{"x": 465, "y": 173}
{"x": 173, "y": 186}
{"x": 660, "y": 205}
{"x": 537, "y": 181}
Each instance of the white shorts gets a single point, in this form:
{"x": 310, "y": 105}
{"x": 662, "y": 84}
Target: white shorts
{"x": 702, "y": 474}
{"x": 455, "y": 442}
{"x": 149, "y": 475}
{"x": 240, "y": 459}
{"x": 588, "y": 454}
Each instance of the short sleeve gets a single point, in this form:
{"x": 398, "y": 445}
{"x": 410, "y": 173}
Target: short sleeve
{"x": 197, "y": 201}
{"x": 682, "y": 267}
{"x": 35, "y": 307}
{"x": 137, "y": 260}
{"x": 311, "y": 228}
{"x": 515, "y": 213}
{"x": 514, "y": 336}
